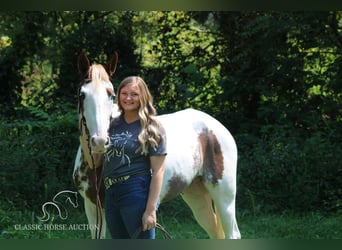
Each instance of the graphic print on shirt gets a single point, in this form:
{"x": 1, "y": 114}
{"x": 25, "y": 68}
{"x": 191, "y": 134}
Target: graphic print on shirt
{"x": 119, "y": 142}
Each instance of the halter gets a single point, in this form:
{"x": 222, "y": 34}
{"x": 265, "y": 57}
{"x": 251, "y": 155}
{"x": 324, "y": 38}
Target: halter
{"x": 83, "y": 124}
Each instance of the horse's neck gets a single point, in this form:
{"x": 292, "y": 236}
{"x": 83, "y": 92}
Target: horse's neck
{"x": 93, "y": 160}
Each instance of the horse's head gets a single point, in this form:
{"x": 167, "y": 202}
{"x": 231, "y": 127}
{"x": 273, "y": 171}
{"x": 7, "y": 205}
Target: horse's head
{"x": 96, "y": 103}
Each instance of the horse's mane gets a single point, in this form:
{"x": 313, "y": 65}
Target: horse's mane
{"x": 97, "y": 74}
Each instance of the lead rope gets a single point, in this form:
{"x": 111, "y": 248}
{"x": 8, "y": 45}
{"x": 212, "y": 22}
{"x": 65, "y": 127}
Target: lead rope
{"x": 166, "y": 234}
{"x": 98, "y": 205}
{"x": 99, "y": 218}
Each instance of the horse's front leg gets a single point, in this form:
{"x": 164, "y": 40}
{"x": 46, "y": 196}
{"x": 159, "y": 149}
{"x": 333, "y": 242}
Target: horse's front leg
{"x": 96, "y": 220}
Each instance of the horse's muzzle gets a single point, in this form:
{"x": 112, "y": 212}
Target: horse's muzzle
{"x": 99, "y": 144}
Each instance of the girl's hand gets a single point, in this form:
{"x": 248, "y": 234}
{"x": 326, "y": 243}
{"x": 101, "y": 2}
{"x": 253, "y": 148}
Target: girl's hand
{"x": 149, "y": 220}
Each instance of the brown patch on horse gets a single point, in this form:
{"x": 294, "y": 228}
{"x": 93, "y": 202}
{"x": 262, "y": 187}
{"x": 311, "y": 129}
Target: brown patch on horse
{"x": 96, "y": 185}
{"x": 90, "y": 181}
{"x": 212, "y": 156}
{"x": 93, "y": 160}
{"x": 176, "y": 185}
{"x": 80, "y": 174}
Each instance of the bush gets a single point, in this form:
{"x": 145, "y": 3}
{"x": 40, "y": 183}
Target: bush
{"x": 284, "y": 170}
{"x": 37, "y": 155}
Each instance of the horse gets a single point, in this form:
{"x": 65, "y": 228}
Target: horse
{"x": 201, "y": 161}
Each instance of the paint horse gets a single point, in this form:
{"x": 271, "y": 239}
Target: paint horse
{"x": 201, "y": 157}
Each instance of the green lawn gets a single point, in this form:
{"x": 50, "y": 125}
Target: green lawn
{"x": 290, "y": 226}
{"x": 15, "y": 225}
{"x": 284, "y": 226}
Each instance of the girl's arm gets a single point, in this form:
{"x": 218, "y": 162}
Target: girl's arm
{"x": 149, "y": 219}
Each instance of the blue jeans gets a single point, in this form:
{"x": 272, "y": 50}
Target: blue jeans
{"x": 125, "y": 203}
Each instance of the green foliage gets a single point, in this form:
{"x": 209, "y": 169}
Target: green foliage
{"x": 99, "y": 34}
{"x": 38, "y": 84}
{"x": 26, "y": 31}
{"x": 284, "y": 171}
{"x": 272, "y": 78}
{"x": 37, "y": 154}
{"x": 179, "y": 61}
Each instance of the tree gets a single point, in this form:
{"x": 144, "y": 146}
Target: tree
{"x": 26, "y": 32}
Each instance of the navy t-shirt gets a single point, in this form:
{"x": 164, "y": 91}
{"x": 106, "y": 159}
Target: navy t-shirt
{"x": 123, "y": 156}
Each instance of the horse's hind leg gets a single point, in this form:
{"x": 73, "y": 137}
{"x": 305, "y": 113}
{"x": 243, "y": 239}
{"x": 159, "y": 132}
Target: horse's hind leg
{"x": 200, "y": 202}
{"x": 95, "y": 226}
{"x": 225, "y": 208}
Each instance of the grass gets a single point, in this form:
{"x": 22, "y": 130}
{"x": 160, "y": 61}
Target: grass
{"x": 292, "y": 226}
{"x": 312, "y": 225}
{"x": 25, "y": 225}
{"x": 179, "y": 222}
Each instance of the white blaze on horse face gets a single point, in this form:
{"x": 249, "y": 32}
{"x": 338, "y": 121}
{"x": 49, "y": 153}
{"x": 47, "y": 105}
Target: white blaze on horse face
{"x": 98, "y": 108}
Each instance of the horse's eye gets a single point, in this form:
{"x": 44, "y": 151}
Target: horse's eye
{"x": 112, "y": 97}
{"x": 81, "y": 94}
{"x": 111, "y": 94}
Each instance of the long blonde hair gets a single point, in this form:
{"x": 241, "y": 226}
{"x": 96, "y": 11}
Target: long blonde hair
{"x": 149, "y": 135}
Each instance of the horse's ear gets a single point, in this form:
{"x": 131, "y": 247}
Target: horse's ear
{"x": 111, "y": 65}
{"x": 83, "y": 63}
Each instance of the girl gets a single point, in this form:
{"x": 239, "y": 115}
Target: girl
{"x": 134, "y": 163}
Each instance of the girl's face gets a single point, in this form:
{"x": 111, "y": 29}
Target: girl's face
{"x": 129, "y": 98}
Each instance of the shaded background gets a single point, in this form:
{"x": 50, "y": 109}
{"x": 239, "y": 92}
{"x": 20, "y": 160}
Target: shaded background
{"x": 273, "y": 78}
